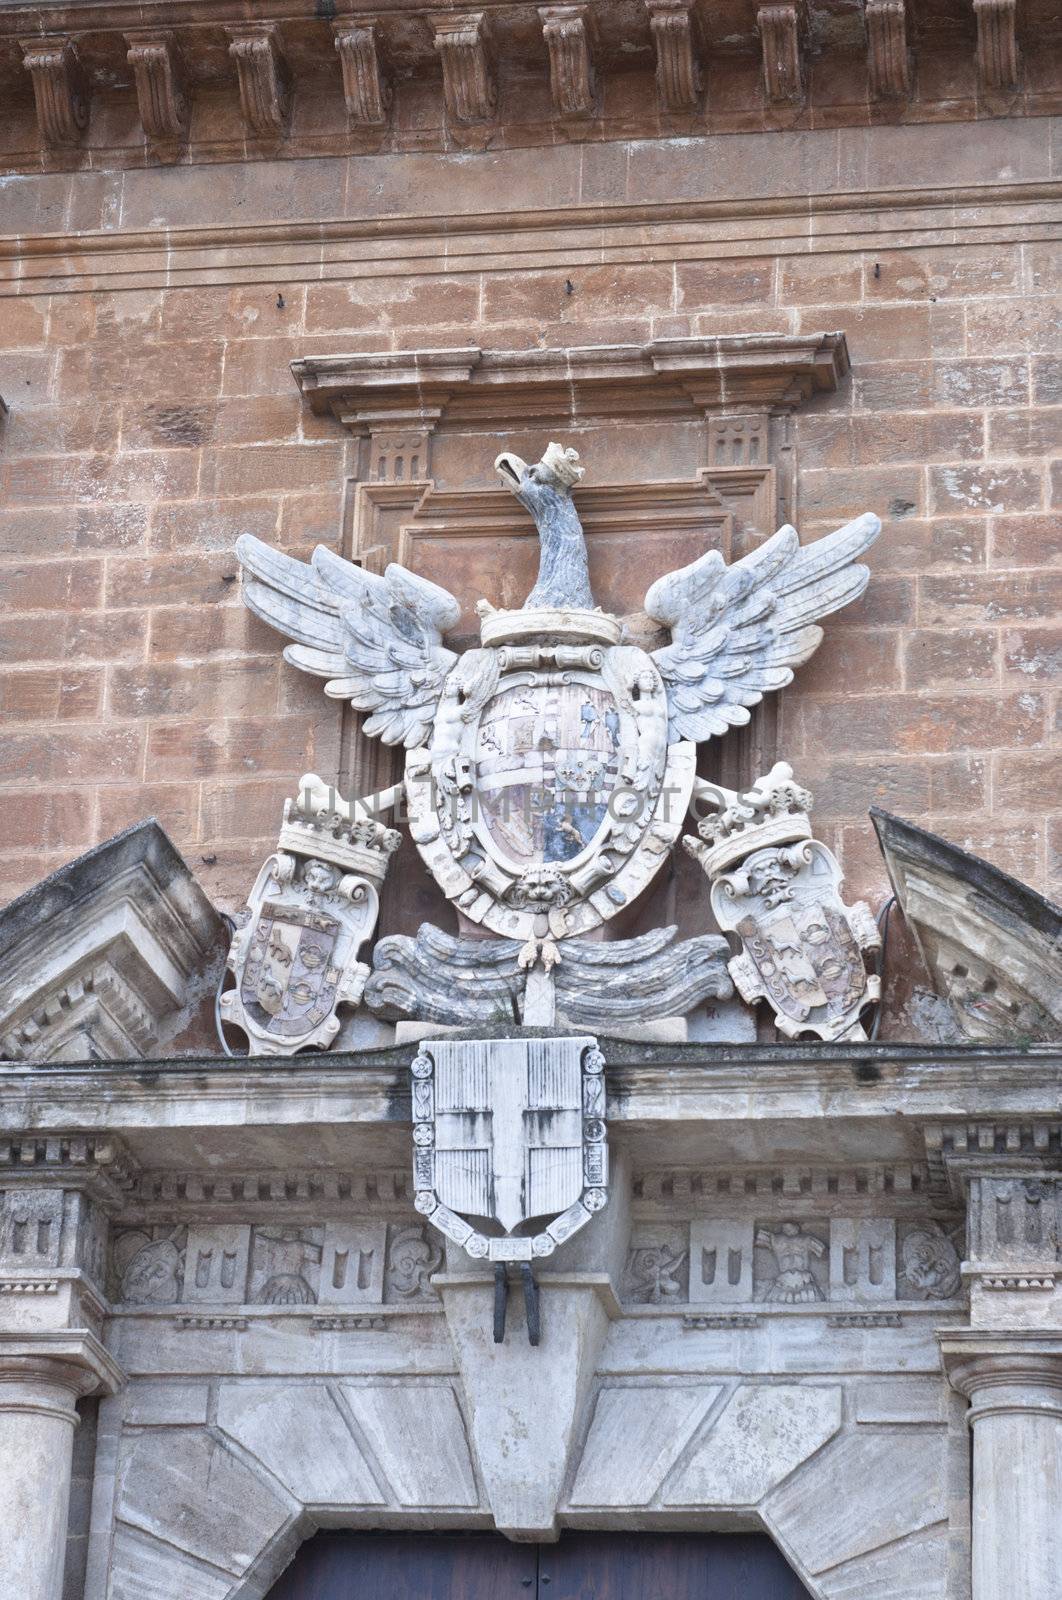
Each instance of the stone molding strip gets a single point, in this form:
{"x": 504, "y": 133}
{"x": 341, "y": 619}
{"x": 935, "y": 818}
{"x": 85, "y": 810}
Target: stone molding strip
{"x": 309, "y": 251}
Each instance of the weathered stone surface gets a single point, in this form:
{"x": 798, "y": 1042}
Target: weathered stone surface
{"x": 879, "y": 1486}
{"x": 300, "y": 1434}
{"x": 103, "y": 960}
{"x": 991, "y": 944}
{"x": 761, "y": 1436}
{"x": 417, "y": 1433}
{"x": 636, "y": 1435}
{"x": 186, "y": 1489}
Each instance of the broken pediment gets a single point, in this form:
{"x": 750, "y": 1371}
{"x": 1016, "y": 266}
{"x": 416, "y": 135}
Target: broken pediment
{"x": 991, "y": 944}
{"x": 104, "y": 959}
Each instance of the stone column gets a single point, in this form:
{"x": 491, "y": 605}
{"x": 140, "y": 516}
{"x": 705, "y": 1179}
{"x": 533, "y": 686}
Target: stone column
{"x": 55, "y": 1197}
{"x": 38, "y": 1392}
{"x": 1008, "y": 1362}
{"x": 1014, "y": 1385}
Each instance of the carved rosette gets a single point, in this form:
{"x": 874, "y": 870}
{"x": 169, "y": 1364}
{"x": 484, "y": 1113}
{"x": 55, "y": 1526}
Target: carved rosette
{"x": 887, "y": 63}
{"x": 567, "y": 32}
{"x": 468, "y": 80}
{"x": 997, "y": 43}
{"x": 160, "y": 96}
{"x": 543, "y": 1160}
{"x": 264, "y": 77}
{"x": 678, "y": 77}
{"x": 779, "y": 28}
{"x": 365, "y": 89}
{"x": 59, "y": 88}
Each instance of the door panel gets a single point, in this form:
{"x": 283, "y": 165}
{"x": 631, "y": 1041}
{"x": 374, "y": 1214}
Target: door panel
{"x": 654, "y": 1566}
{"x": 409, "y": 1566}
{"x": 583, "y": 1566}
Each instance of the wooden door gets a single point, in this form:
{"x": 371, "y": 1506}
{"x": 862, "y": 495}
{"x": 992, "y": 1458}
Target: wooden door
{"x": 582, "y": 1566}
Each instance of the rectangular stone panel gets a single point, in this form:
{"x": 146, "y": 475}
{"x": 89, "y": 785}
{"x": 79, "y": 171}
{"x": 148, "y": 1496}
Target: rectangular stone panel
{"x": 352, "y": 1263}
{"x": 862, "y": 1258}
{"x": 216, "y": 1260}
{"x": 721, "y": 1252}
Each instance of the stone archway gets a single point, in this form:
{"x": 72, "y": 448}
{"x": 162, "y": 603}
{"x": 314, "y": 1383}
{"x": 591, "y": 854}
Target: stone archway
{"x": 857, "y": 1503}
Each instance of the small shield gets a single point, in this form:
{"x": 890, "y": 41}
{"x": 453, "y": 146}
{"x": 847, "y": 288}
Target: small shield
{"x": 509, "y": 1132}
{"x": 289, "y": 982}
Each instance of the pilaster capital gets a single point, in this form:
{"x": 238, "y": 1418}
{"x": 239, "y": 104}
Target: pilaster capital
{"x": 1013, "y": 1372}
{"x": 49, "y": 1370}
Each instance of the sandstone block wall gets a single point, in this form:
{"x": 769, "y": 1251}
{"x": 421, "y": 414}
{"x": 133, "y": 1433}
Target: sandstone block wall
{"x": 147, "y": 321}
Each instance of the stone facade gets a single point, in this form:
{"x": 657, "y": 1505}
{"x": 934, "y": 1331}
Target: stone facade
{"x": 294, "y": 278}
{"x": 921, "y": 225}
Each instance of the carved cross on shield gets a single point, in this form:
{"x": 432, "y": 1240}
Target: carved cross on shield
{"x": 509, "y": 1133}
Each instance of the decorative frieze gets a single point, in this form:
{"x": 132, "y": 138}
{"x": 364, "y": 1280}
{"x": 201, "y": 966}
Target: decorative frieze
{"x": 157, "y": 72}
{"x": 463, "y": 43}
{"x": 59, "y": 88}
{"x": 345, "y": 1263}
{"x": 568, "y": 32}
{"x": 780, "y": 35}
{"x": 997, "y": 43}
{"x": 791, "y": 1261}
{"x": 264, "y": 77}
{"x": 678, "y": 75}
{"x": 366, "y": 90}
{"x": 887, "y": 60}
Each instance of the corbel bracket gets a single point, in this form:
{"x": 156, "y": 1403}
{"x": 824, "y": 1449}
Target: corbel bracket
{"x": 156, "y": 65}
{"x": 463, "y": 43}
{"x": 569, "y": 32}
{"x": 780, "y": 29}
{"x": 678, "y": 76}
{"x": 264, "y": 75}
{"x": 59, "y": 87}
{"x": 365, "y": 87}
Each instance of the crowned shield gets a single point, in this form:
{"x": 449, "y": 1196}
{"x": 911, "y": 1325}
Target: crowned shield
{"x": 510, "y": 1154}
{"x": 294, "y": 954}
{"x": 802, "y": 947}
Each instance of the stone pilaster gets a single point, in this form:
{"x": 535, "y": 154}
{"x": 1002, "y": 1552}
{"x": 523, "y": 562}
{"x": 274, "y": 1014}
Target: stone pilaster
{"x": 1013, "y": 1381}
{"x": 42, "y": 1376}
{"x": 1008, "y": 1363}
{"x": 55, "y": 1195}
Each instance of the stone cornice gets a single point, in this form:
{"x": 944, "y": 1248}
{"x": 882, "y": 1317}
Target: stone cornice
{"x": 760, "y": 372}
{"x": 807, "y": 65}
{"x": 880, "y": 1098}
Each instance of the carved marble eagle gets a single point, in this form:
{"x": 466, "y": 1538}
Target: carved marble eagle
{"x": 737, "y": 632}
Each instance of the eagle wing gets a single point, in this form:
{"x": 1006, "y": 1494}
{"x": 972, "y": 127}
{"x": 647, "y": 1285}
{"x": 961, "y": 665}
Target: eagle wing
{"x": 737, "y": 632}
{"x": 377, "y": 640}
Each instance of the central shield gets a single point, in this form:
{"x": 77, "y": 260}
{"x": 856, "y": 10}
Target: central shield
{"x": 547, "y": 763}
{"x": 549, "y": 790}
{"x": 506, "y": 1133}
